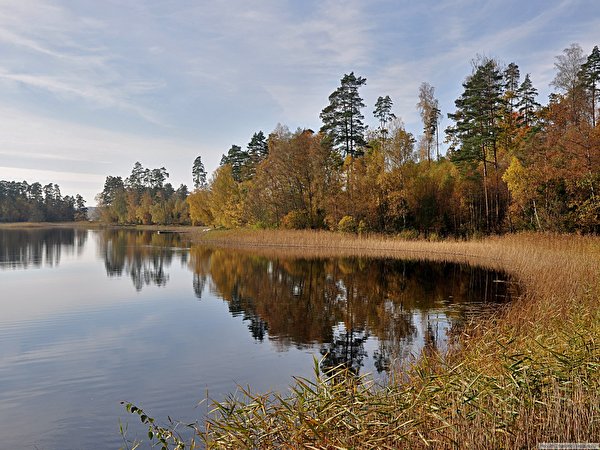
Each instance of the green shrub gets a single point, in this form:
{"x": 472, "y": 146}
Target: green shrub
{"x": 363, "y": 228}
{"x": 434, "y": 237}
{"x": 347, "y": 224}
{"x": 409, "y": 234}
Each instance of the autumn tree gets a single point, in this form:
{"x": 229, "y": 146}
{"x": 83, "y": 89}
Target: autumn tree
{"x": 567, "y": 78}
{"x": 226, "y": 201}
{"x": 144, "y": 197}
{"x": 292, "y": 184}
{"x": 199, "y": 207}
{"x": 430, "y": 114}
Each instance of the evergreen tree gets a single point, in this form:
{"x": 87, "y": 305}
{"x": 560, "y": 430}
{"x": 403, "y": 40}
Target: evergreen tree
{"x": 257, "y": 151}
{"x": 81, "y": 211}
{"x": 257, "y": 147}
{"x": 342, "y": 119}
{"x": 138, "y": 177}
{"x": 590, "y": 78}
{"x": 156, "y": 178}
{"x": 237, "y": 159}
{"x": 511, "y": 80}
{"x": 198, "y": 173}
{"x": 475, "y": 133}
{"x": 526, "y": 102}
{"x": 112, "y": 186}
{"x": 383, "y": 113}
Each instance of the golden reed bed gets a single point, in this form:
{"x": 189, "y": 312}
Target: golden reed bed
{"x": 526, "y": 375}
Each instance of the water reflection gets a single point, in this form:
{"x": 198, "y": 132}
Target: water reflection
{"x": 339, "y": 303}
{"x": 349, "y": 309}
{"x": 22, "y": 249}
{"x": 142, "y": 255}
{"x": 71, "y": 332}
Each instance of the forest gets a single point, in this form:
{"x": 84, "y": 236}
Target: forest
{"x": 511, "y": 164}
{"x": 24, "y": 202}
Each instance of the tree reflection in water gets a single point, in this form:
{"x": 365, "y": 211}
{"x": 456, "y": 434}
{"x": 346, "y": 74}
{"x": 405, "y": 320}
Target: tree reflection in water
{"x": 141, "y": 255}
{"x": 21, "y": 249}
{"x": 338, "y": 304}
{"x": 344, "y": 307}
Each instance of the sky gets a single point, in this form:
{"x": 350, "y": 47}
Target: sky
{"x": 89, "y": 87}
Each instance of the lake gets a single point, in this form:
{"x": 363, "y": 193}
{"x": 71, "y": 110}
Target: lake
{"x": 94, "y": 317}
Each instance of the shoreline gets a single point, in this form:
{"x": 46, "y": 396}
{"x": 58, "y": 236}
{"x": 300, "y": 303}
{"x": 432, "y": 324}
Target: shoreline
{"x": 528, "y": 373}
{"x": 551, "y": 333}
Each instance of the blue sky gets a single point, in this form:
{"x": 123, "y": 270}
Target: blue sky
{"x": 89, "y": 87}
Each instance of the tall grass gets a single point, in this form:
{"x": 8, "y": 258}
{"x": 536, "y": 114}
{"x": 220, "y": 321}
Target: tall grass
{"x": 526, "y": 375}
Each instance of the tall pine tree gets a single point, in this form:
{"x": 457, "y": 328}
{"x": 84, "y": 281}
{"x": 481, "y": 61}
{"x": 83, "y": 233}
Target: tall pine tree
{"x": 527, "y": 106}
{"x": 237, "y": 159}
{"x": 342, "y": 119}
{"x": 383, "y": 113}
{"x": 198, "y": 173}
{"x": 590, "y": 79}
{"x": 476, "y": 131}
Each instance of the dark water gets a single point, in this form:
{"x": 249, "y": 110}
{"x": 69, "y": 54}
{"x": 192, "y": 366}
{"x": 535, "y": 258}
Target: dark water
{"x": 90, "y": 318}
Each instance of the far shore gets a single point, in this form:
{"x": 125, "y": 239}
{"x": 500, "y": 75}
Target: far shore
{"x": 97, "y": 225}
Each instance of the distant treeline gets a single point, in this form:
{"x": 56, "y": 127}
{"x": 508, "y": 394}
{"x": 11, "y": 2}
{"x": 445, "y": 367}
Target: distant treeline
{"x": 143, "y": 198}
{"x": 24, "y": 202}
{"x": 512, "y": 164}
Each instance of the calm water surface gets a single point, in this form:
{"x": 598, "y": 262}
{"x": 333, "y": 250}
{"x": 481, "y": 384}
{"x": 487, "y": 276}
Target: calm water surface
{"x": 90, "y": 318}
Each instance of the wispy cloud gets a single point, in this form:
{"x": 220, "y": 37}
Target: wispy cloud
{"x": 68, "y": 67}
{"x": 97, "y": 95}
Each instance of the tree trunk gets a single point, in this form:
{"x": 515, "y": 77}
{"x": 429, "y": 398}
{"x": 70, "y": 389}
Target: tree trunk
{"x": 485, "y": 191}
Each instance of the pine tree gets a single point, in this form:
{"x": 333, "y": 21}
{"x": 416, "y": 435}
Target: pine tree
{"x": 81, "y": 212}
{"x": 257, "y": 151}
{"x": 475, "y": 133}
{"x": 198, "y": 173}
{"x": 590, "y": 78}
{"x": 138, "y": 177}
{"x": 511, "y": 79}
{"x": 383, "y": 113}
{"x": 257, "y": 147}
{"x": 527, "y": 106}
{"x": 342, "y": 119}
{"x": 237, "y": 159}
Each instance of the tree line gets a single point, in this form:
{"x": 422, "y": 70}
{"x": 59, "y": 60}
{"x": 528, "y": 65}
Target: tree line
{"x": 24, "y": 202}
{"x": 511, "y": 164}
{"x": 144, "y": 197}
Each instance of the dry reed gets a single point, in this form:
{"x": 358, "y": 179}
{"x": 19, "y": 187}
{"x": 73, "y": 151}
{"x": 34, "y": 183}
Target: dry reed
{"x": 525, "y": 375}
